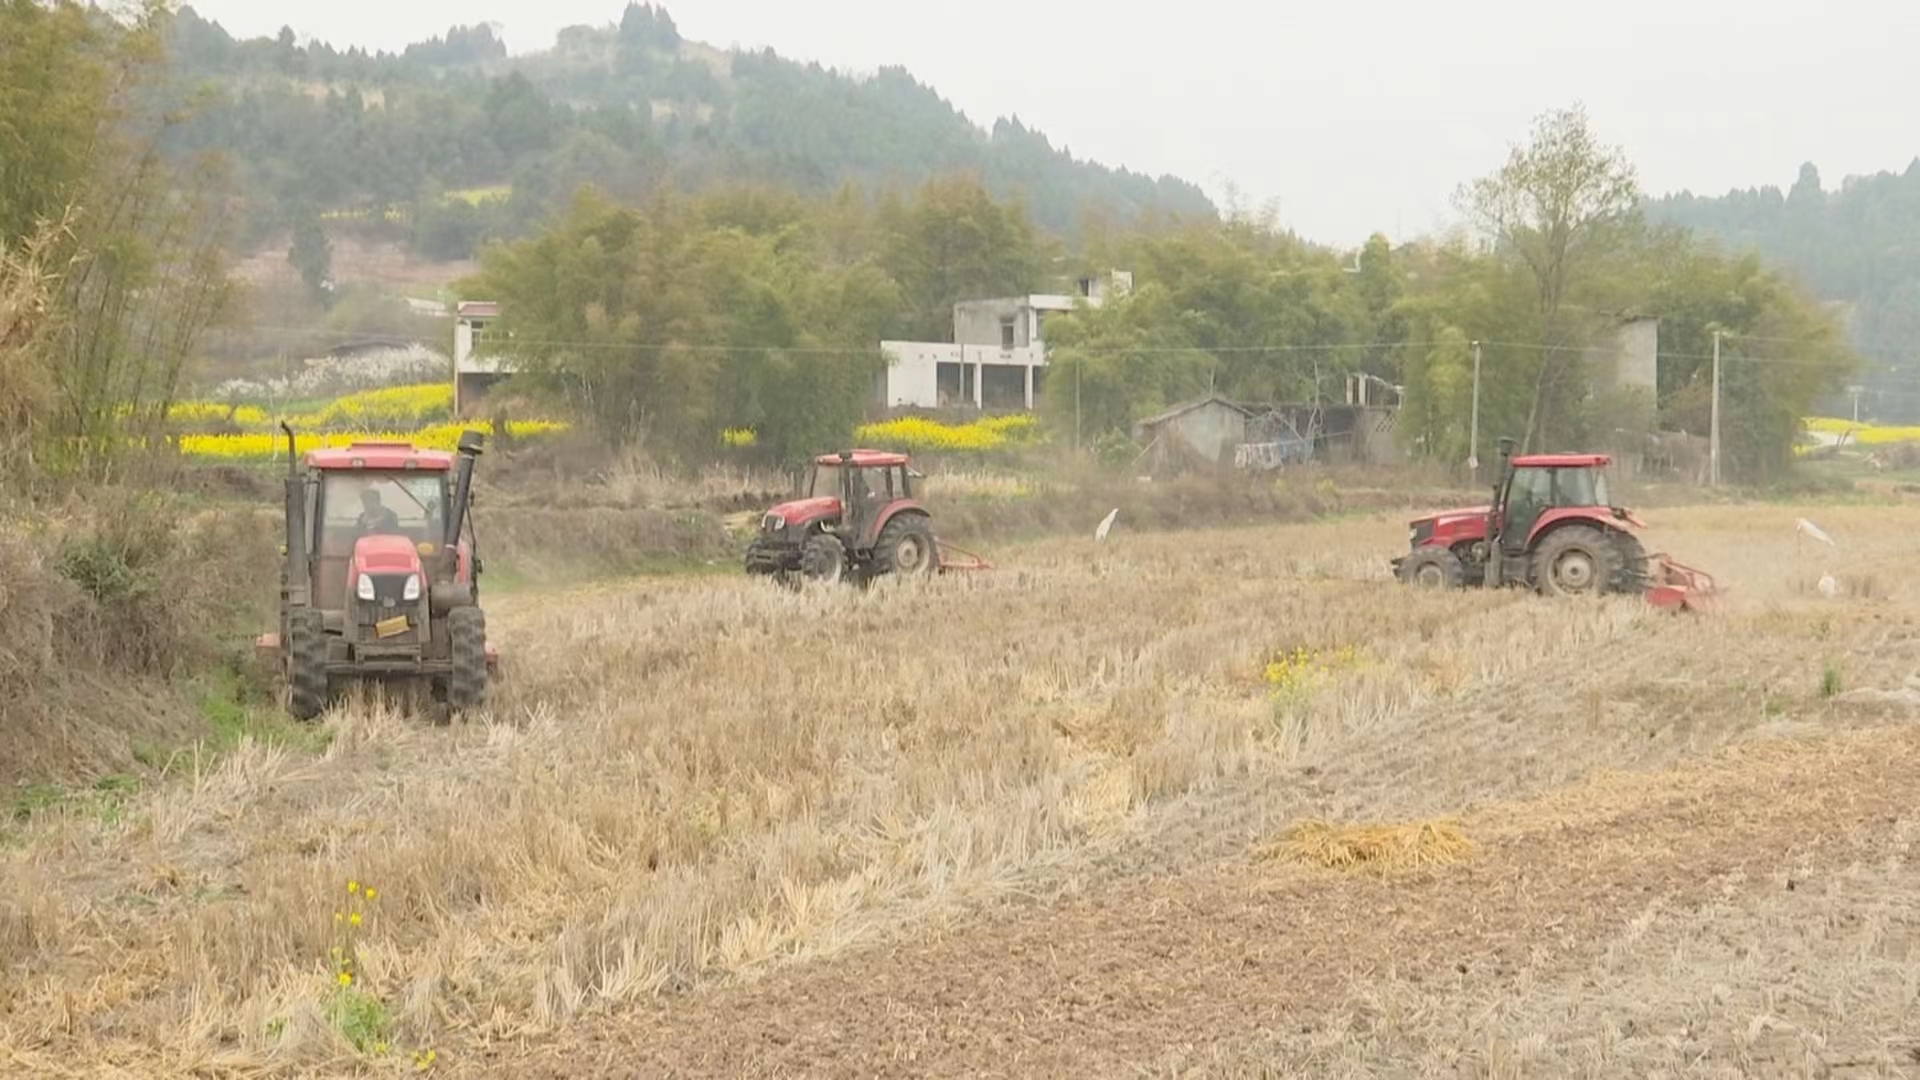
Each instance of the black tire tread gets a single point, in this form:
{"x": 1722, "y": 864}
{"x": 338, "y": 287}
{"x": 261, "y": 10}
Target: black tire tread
{"x": 1449, "y": 563}
{"x": 1608, "y": 556}
{"x": 901, "y": 526}
{"x": 308, "y": 692}
{"x": 467, "y": 637}
{"x": 824, "y": 542}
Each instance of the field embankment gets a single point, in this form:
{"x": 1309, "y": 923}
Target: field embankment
{"x": 122, "y": 615}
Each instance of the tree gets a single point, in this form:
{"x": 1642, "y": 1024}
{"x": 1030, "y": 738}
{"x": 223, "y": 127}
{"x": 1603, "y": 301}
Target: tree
{"x": 1561, "y": 205}
{"x": 311, "y": 254}
{"x": 1781, "y": 353}
{"x": 955, "y": 242}
{"x": 668, "y": 323}
{"x": 54, "y": 97}
{"x": 134, "y": 273}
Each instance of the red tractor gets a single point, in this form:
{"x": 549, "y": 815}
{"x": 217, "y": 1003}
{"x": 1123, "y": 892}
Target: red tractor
{"x": 380, "y": 580}
{"x": 1552, "y": 526}
{"x": 857, "y": 518}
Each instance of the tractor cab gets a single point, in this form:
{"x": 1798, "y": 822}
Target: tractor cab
{"x": 861, "y": 483}
{"x": 1538, "y": 485}
{"x": 358, "y": 513}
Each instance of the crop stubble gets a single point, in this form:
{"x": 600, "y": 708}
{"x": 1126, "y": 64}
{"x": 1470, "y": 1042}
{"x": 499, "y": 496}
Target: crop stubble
{"x": 858, "y": 807}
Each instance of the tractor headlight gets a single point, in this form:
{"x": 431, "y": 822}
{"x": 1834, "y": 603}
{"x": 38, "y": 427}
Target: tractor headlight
{"x": 364, "y": 588}
{"x": 411, "y": 590}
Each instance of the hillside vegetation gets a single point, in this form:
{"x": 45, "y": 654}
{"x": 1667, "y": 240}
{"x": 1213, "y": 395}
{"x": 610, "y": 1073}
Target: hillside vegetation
{"x": 1858, "y": 244}
{"x": 452, "y": 141}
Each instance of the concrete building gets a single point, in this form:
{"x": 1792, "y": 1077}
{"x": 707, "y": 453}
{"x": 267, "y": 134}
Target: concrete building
{"x": 1625, "y": 371}
{"x": 998, "y": 355}
{"x": 474, "y": 374}
{"x": 934, "y": 375}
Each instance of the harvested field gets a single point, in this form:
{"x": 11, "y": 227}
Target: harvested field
{"x": 1047, "y": 821}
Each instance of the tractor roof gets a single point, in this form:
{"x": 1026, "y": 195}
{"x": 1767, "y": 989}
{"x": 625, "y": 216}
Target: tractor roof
{"x": 375, "y": 454}
{"x": 865, "y": 458}
{"x": 1561, "y": 461}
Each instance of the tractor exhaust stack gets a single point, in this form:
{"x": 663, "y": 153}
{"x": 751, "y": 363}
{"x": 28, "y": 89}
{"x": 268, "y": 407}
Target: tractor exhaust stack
{"x": 296, "y": 570}
{"x": 470, "y": 449}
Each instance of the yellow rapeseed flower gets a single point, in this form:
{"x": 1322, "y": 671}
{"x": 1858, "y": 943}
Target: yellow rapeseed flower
{"x": 914, "y": 433}
{"x": 416, "y": 404}
{"x": 1864, "y": 434}
{"x": 353, "y": 887}
{"x": 346, "y": 978}
{"x": 354, "y": 918}
{"x": 262, "y": 446}
{"x": 370, "y": 892}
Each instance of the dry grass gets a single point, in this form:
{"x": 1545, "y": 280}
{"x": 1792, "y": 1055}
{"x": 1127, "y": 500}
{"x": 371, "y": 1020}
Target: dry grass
{"x": 1378, "y": 848}
{"x": 700, "y": 781}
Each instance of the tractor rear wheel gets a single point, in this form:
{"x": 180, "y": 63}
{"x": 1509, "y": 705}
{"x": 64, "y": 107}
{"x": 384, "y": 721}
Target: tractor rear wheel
{"x": 1633, "y": 575}
{"x": 906, "y": 547}
{"x": 1433, "y": 568}
{"x": 823, "y": 558}
{"x": 467, "y": 635}
{"x": 307, "y": 687}
{"x": 1577, "y": 560}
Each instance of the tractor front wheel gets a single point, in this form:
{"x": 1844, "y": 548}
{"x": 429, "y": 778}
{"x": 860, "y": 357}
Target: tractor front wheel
{"x": 823, "y": 558}
{"x": 467, "y": 634}
{"x": 1433, "y": 568}
{"x": 307, "y": 688}
{"x": 906, "y": 547}
{"x": 1577, "y": 560}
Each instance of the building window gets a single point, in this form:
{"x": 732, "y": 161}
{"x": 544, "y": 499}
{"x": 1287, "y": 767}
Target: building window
{"x": 1006, "y": 333}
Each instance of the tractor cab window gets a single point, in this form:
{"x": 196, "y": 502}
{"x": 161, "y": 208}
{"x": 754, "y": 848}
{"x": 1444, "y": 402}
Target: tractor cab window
{"x": 1530, "y": 493}
{"x": 875, "y": 484}
{"x": 362, "y": 503}
{"x": 1580, "y": 487}
{"x": 824, "y": 482}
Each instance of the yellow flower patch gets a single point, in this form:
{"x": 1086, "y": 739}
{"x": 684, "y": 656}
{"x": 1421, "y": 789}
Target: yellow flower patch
{"x": 917, "y": 434}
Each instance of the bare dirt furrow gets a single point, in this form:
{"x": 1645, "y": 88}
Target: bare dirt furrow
{"x": 1154, "y": 971}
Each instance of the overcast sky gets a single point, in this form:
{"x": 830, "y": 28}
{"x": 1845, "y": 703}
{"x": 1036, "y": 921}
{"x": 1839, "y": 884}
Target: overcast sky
{"x": 1356, "y": 117}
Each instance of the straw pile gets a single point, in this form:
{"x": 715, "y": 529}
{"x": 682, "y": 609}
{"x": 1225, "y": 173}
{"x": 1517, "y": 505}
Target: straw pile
{"x": 1381, "y": 848}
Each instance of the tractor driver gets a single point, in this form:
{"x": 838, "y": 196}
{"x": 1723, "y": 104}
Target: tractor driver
{"x": 374, "y": 516}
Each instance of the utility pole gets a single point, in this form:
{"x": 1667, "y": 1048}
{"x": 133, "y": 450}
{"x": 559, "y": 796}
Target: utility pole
{"x": 1713, "y": 436}
{"x": 1856, "y": 391}
{"x": 1473, "y": 437}
{"x": 1076, "y": 403}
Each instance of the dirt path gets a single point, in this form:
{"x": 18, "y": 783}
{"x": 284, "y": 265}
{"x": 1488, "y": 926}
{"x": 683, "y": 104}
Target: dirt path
{"x": 1204, "y": 966}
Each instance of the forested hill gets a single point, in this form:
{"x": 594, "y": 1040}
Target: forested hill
{"x": 454, "y": 141}
{"x": 1859, "y": 244}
